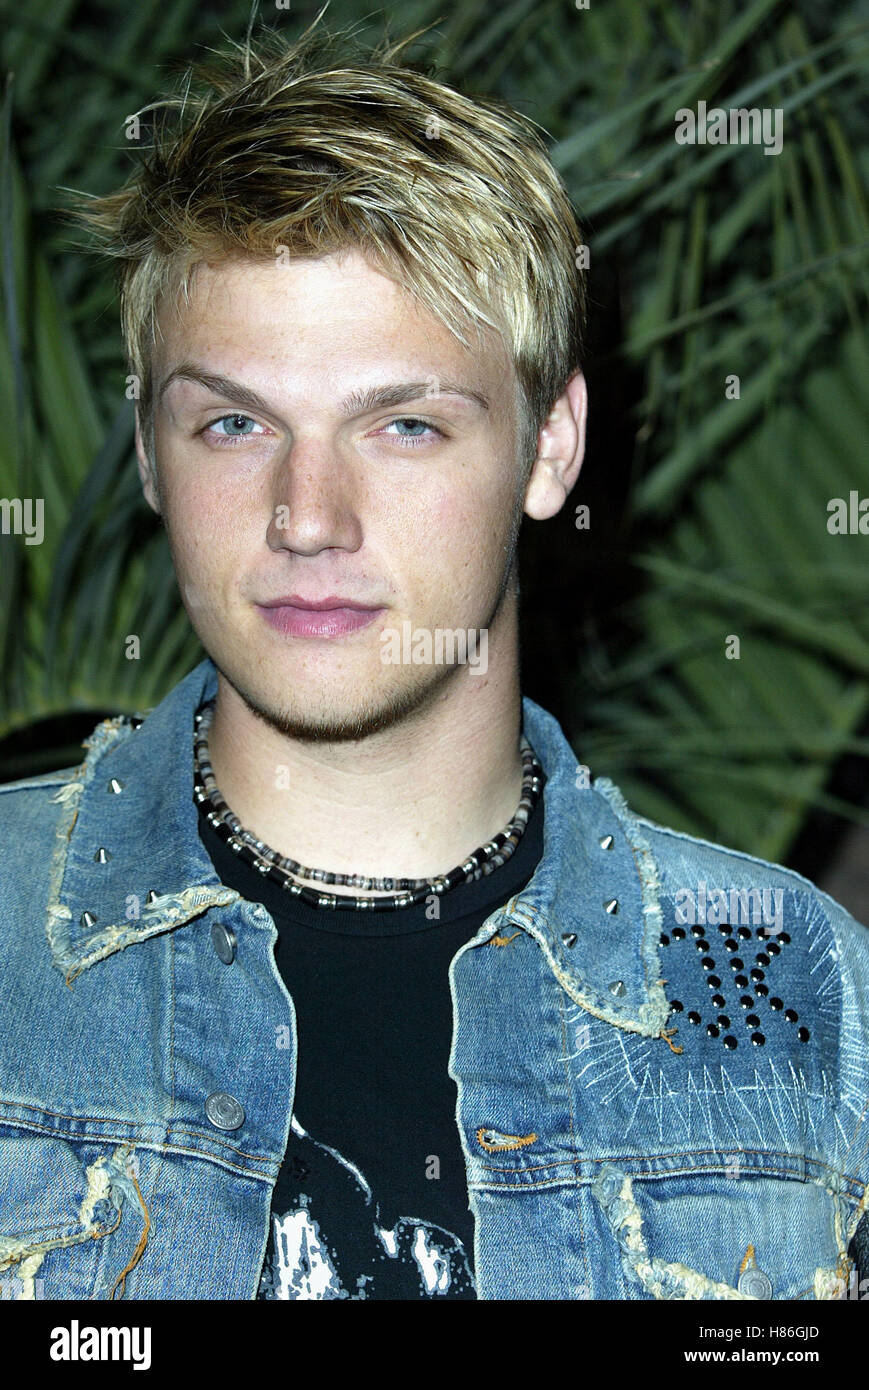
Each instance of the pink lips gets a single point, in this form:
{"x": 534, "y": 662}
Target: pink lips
{"x": 327, "y": 617}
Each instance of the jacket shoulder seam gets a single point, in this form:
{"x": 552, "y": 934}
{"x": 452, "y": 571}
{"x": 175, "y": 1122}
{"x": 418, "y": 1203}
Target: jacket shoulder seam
{"x": 800, "y": 881}
{"x": 47, "y": 779}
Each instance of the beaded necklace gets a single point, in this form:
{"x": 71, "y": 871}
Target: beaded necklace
{"x": 401, "y": 892}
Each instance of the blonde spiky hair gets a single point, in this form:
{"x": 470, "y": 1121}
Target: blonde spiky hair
{"x": 453, "y": 197}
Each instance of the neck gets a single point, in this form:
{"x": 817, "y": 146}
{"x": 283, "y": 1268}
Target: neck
{"x": 410, "y": 801}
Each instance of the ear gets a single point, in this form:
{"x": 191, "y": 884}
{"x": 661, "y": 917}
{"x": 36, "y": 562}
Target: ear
{"x": 147, "y": 473}
{"x": 560, "y": 451}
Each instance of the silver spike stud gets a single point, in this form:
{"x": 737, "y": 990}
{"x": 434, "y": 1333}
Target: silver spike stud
{"x": 88, "y": 919}
{"x": 152, "y": 897}
{"x": 607, "y": 842}
{"x": 612, "y": 906}
{"x": 115, "y": 785}
{"x": 102, "y": 856}
{"x": 569, "y": 938}
{"x": 618, "y": 988}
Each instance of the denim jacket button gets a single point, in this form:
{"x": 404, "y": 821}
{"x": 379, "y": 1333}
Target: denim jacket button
{"x": 224, "y": 1111}
{"x": 755, "y": 1283}
{"x": 224, "y": 942}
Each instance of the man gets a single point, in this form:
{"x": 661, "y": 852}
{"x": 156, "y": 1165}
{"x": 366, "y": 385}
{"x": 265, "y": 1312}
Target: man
{"x": 354, "y": 986}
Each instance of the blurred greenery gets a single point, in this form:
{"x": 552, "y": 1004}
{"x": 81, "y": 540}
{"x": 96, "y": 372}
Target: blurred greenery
{"x": 708, "y": 514}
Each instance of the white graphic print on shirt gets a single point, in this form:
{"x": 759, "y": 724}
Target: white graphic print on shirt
{"x": 427, "y": 1261}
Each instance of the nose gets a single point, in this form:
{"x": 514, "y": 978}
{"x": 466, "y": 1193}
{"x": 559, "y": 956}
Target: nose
{"x": 315, "y": 497}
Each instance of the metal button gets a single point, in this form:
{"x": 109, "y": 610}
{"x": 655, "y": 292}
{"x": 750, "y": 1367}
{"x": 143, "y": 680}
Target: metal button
{"x": 224, "y": 1111}
{"x": 755, "y": 1283}
{"x": 224, "y": 942}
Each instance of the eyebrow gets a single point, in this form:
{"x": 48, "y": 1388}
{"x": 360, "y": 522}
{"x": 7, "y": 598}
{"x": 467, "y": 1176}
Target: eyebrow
{"x": 357, "y": 403}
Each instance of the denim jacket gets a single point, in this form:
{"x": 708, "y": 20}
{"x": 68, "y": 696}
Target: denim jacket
{"x": 636, "y": 1123}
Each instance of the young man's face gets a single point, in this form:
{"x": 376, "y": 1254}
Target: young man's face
{"x": 395, "y": 512}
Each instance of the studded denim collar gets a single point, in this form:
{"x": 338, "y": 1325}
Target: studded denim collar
{"x": 129, "y": 862}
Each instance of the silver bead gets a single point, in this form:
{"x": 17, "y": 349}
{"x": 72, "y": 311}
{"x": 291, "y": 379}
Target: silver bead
{"x": 569, "y": 938}
{"x": 88, "y": 919}
{"x": 612, "y": 906}
{"x": 618, "y": 988}
{"x": 115, "y": 785}
{"x": 607, "y": 842}
{"x": 102, "y": 856}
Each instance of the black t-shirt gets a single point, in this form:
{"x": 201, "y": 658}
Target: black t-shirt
{"x": 371, "y": 1200}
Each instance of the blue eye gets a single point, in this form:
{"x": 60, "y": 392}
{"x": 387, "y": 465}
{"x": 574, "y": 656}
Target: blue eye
{"x": 236, "y": 426}
{"x": 411, "y": 439}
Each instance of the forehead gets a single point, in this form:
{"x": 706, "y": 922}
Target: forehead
{"x": 326, "y": 317}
